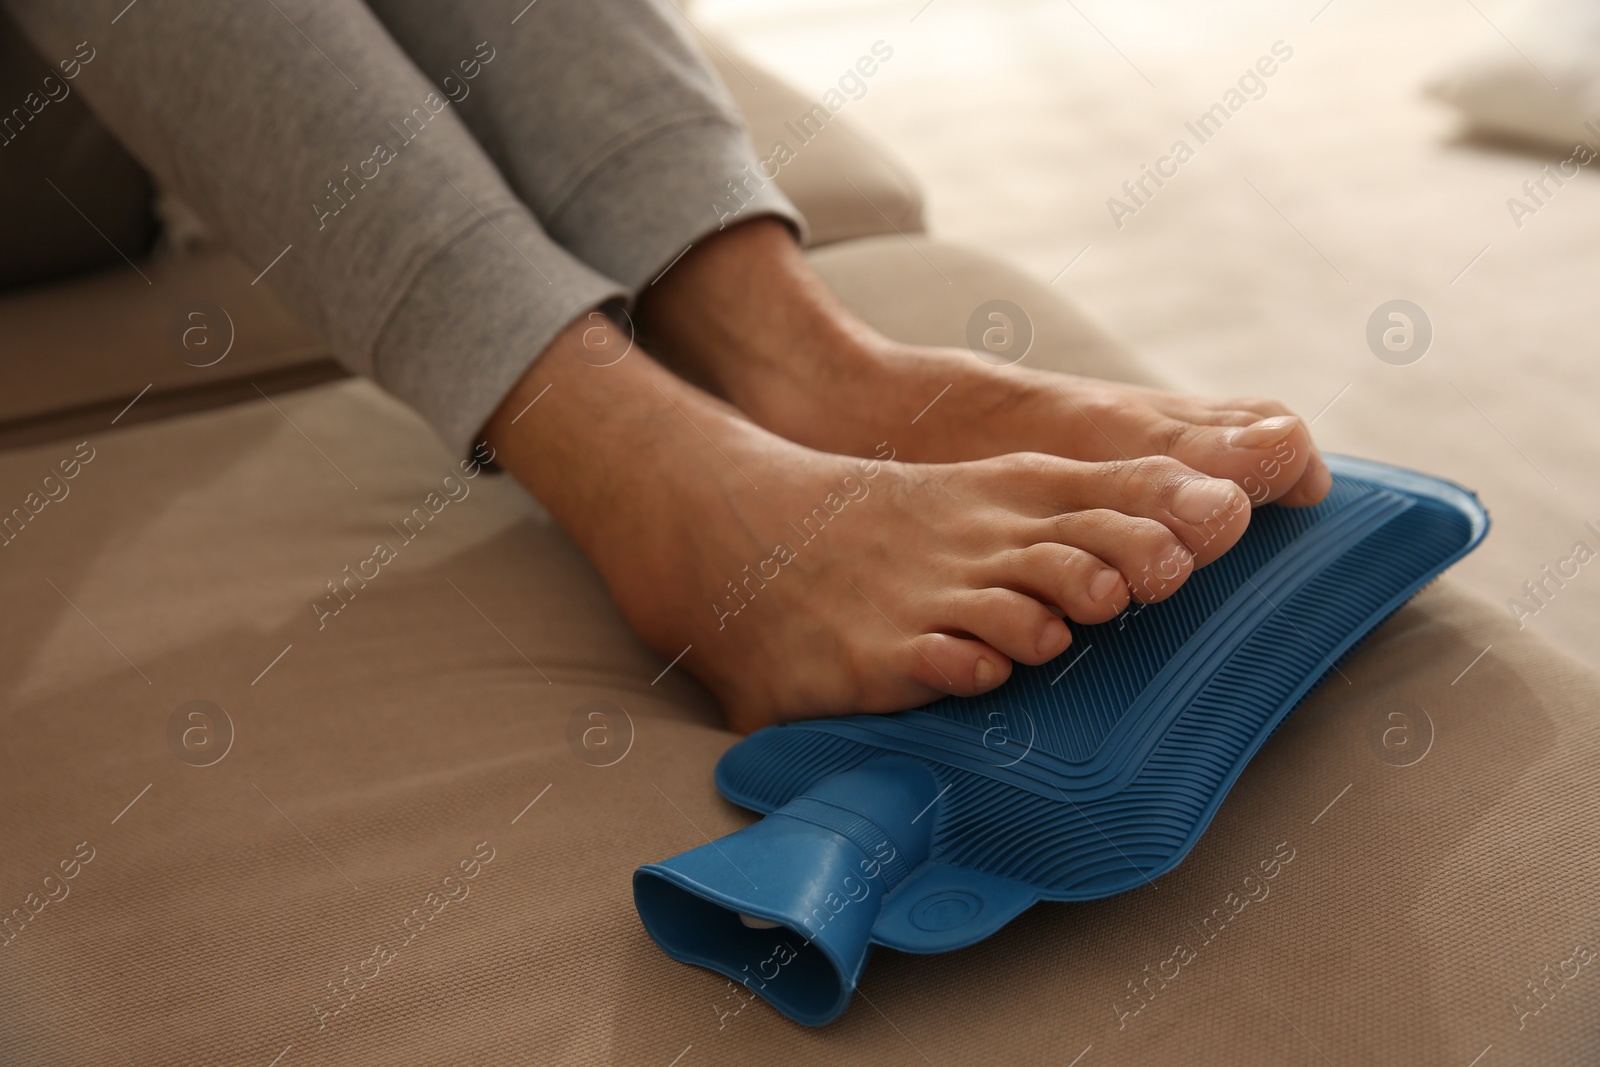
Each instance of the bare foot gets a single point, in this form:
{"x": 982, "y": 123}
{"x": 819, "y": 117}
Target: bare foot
{"x": 806, "y": 583}
{"x": 744, "y": 315}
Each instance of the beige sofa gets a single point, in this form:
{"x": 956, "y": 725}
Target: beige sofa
{"x": 403, "y": 847}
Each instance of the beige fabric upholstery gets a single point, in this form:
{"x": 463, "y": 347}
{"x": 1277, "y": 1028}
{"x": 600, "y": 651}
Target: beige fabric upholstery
{"x": 373, "y": 756}
{"x": 874, "y": 277}
{"x": 77, "y": 352}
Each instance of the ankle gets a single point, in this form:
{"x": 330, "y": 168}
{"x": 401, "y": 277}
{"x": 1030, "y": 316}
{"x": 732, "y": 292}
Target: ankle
{"x": 578, "y": 450}
{"x": 743, "y": 315}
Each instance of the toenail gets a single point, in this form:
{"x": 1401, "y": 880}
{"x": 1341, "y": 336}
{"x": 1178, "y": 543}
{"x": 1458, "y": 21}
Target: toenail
{"x": 1200, "y": 499}
{"x": 985, "y": 675}
{"x": 1263, "y": 433}
{"x": 1054, "y": 638}
{"x": 1104, "y": 584}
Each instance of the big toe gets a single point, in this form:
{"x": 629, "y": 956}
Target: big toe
{"x": 1271, "y": 459}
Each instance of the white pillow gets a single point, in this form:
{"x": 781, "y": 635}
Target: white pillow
{"x": 1507, "y": 89}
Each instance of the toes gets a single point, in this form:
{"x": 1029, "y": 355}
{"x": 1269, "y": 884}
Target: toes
{"x": 1152, "y": 560}
{"x": 1235, "y": 410}
{"x": 1224, "y": 417}
{"x": 1259, "y": 444}
{"x": 960, "y": 666}
{"x": 1312, "y": 486}
{"x": 1211, "y": 515}
{"x": 1263, "y": 407}
{"x": 1266, "y": 458}
{"x": 1256, "y": 442}
{"x": 1273, "y": 456}
{"x": 1084, "y": 587}
{"x": 1272, "y": 459}
{"x": 1014, "y": 624}
{"x": 1208, "y": 515}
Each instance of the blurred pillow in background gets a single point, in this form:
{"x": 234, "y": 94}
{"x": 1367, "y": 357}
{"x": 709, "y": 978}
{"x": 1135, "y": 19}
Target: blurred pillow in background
{"x": 1540, "y": 84}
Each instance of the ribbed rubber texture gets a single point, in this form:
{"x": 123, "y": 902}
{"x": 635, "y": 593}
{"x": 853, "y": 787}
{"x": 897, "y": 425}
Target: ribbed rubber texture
{"x": 857, "y": 829}
{"x": 1097, "y": 772}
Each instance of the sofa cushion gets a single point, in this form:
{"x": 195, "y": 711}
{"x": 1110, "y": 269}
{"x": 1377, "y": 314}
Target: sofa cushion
{"x": 875, "y": 275}
{"x": 419, "y": 820}
{"x": 197, "y": 334}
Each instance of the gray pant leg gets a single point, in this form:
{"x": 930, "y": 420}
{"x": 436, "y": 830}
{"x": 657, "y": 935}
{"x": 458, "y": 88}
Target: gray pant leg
{"x": 602, "y": 115}
{"x": 302, "y": 134}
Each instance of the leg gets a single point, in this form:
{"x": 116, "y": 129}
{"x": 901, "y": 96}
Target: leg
{"x": 802, "y": 597}
{"x": 932, "y": 581}
{"x": 636, "y": 165}
{"x": 603, "y": 117}
{"x": 340, "y": 174}
{"x": 744, "y": 315}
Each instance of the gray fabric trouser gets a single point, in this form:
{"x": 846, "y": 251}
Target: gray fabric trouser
{"x": 448, "y": 184}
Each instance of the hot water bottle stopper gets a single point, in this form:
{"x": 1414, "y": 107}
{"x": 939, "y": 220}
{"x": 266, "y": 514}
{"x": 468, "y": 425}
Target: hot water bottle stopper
{"x": 928, "y": 830}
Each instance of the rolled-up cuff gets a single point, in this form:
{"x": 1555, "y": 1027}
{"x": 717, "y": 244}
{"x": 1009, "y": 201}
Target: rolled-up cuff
{"x": 476, "y": 317}
{"x": 646, "y": 203}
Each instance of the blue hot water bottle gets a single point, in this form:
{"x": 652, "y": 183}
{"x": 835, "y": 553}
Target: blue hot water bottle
{"x": 928, "y": 830}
